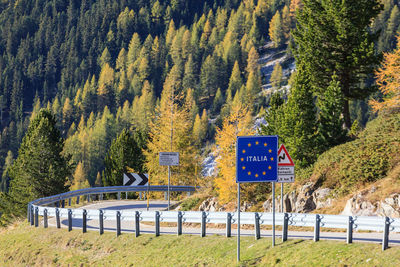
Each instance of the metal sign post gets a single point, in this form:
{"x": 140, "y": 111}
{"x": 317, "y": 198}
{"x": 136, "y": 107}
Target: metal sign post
{"x": 256, "y": 161}
{"x": 282, "y": 197}
{"x": 169, "y": 159}
{"x": 273, "y": 214}
{"x": 285, "y": 170}
{"x": 169, "y": 181}
{"x": 148, "y": 195}
{"x": 238, "y": 227}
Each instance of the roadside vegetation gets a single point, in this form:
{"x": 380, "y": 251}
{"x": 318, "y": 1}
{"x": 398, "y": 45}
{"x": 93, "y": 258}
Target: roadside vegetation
{"x": 21, "y": 245}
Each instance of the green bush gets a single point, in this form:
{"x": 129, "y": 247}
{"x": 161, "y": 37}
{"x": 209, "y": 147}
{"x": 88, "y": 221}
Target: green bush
{"x": 190, "y": 203}
{"x": 362, "y": 161}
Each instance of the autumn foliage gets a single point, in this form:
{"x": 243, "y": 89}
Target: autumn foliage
{"x": 388, "y": 80}
{"x": 238, "y": 123}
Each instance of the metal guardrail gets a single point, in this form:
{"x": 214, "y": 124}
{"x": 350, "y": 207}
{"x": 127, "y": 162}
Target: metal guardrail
{"x": 317, "y": 221}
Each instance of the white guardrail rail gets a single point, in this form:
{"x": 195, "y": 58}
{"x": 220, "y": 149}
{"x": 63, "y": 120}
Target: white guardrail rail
{"x": 50, "y": 207}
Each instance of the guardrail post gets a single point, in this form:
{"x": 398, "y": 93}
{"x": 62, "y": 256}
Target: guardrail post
{"x": 58, "y": 218}
{"x": 32, "y": 215}
{"x": 118, "y": 223}
{"x": 385, "y": 240}
{"x": 179, "y": 224}
{"x": 188, "y": 193}
{"x": 257, "y": 225}
{"x": 157, "y": 223}
{"x": 84, "y": 221}
{"x": 137, "y": 224}
{"x": 285, "y": 227}
{"x": 63, "y": 203}
{"x": 203, "y": 224}
{"x": 101, "y": 196}
{"x": 165, "y": 196}
{"x": 126, "y": 195}
{"x": 119, "y": 195}
{"x": 101, "y": 225}
{"x": 57, "y": 203}
{"x": 140, "y": 195}
{"x": 88, "y": 198}
{"x": 45, "y": 222}
{"x": 228, "y": 224}
{"x": 69, "y": 202}
{"x": 350, "y": 223}
{"x": 69, "y": 220}
{"x": 28, "y": 213}
{"x": 316, "y": 228}
{"x": 77, "y": 200}
{"x": 36, "y": 216}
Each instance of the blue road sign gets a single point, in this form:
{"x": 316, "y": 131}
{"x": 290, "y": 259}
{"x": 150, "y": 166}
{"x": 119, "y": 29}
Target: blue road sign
{"x": 256, "y": 159}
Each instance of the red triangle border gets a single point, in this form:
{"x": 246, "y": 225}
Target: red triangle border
{"x": 287, "y": 154}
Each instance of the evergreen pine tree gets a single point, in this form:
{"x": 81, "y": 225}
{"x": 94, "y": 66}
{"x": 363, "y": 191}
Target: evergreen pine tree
{"x": 332, "y": 36}
{"x": 235, "y": 82}
{"x": 40, "y": 165}
{"x": 124, "y": 153}
{"x": 330, "y": 126}
{"x": 274, "y": 116}
{"x": 299, "y": 127}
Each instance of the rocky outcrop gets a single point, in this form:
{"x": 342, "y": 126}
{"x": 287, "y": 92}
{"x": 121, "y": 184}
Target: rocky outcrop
{"x": 210, "y": 204}
{"x": 359, "y": 205}
{"x": 310, "y": 197}
{"x": 307, "y": 199}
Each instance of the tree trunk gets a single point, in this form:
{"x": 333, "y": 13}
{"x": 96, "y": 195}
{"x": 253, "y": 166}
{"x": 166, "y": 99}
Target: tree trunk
{"x": 346, "y": 114}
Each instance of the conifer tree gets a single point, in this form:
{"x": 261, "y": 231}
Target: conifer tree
{"x": 299, "y": 127}
{"x": 274, "y": 116}
{"x": 5, "y": 177}
{"x": 79, "y": 178}
{"x": 276, "y": 33}
{"x": 333, "y": 37}
{"x": 134, "y": 49}
{"x": 235, "y": 82}
{"x": 276, "y": 76}
{"x": 124, "y": 153}
{"x": 388, "y": 80}
{"x": 197, "y": 134}
{"x": 238, "y": 123}
{"x": 105, "y": 91}
{"x": 105, "y": 57}
{"x": 179, "y": 138}
{"x": 286, "y": 22}
{"x": 252, "y": 61}
{"x": 40, "y": 165}
{"x": 330, "y": 119}
{"x": 253, "y": 88}
{"x": 218, "y": 102}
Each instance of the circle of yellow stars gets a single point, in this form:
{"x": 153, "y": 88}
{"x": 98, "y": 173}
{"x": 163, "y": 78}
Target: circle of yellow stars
{"x": 244, "y": 152}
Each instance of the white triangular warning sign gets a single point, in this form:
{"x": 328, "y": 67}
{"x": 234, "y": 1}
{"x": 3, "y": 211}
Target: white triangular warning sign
{"x": 284, "y": 158}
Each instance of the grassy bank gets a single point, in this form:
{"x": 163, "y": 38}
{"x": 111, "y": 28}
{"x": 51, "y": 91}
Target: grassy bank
{"x": 22, "y": 245}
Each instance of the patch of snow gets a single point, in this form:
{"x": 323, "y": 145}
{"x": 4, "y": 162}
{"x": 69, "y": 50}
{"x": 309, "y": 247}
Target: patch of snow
{"x": 209, "y": 166}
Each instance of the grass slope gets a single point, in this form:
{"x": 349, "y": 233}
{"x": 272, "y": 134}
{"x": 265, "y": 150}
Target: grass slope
{"x": 22, "y": 245}
{"x": 374, "y": 155}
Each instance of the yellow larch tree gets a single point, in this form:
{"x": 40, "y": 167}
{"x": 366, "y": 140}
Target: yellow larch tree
{"x": 182, "y": 139}
{"x": 238, "y": 123}
{"x": 388, "y": 80}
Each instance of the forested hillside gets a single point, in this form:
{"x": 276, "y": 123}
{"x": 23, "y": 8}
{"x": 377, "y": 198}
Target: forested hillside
{"x": 117, "y": 73}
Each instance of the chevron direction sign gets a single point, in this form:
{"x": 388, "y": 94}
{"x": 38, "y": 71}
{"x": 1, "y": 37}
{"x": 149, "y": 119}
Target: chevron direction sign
{"x": 136, "y": 179}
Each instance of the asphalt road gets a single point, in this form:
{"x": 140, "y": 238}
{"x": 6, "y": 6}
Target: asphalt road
{"x": 129, "y": 227}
